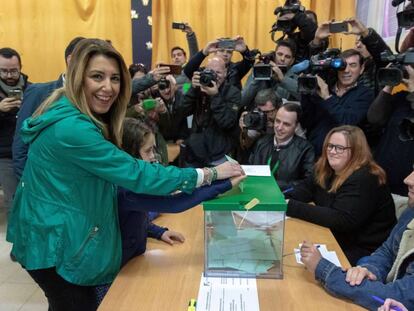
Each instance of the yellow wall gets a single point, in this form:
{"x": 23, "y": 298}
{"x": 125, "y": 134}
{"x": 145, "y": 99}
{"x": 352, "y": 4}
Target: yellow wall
{"x": 252, "y": 19}
{"x": 41, "y": 29}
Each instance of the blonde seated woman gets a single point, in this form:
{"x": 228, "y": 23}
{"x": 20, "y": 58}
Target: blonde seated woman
{"x": 349, "y": 193}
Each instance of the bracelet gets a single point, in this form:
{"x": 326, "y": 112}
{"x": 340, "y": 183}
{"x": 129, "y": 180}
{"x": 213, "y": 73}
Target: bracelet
{"x": 214, "y": 171}
{"x": 208, "y": 176}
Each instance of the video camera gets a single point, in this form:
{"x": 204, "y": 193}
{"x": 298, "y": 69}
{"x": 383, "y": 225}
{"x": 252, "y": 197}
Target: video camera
{"x": 325, "y": 64}
{"x": 286, "y": 26}
{"x": 393, "y": 75}
{"x": 262, "y": 70}
{"x": 207, "y": 76}
{"x": 255, "y": 120}
{"x": 405, "y": 19}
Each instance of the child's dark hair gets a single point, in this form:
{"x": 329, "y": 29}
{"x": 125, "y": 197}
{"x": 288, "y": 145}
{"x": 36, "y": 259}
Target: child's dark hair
{"x": 135, "y": 133}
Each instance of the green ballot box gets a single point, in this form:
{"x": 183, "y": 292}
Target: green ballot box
{"x": 244, "y": 230}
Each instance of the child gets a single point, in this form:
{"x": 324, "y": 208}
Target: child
{"x": 139, "y": 141}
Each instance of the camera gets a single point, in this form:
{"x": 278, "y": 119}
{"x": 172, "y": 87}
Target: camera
{"x": 178, "y": 25}
{"x": 163, "y": 84}
{"x": 226, "y": 44}
{"x": 255, "y": 120}
{"x": 16, "y": 94}
{"x": 324, "y": 64}
{"x": 406, "y": 129}
{"x": 405, "y": 18}
{"x": 286, "y": 26}
{"x": 207, "y": 76}
{"x": 396, "y": 72}
{"x": 262, "y": 70}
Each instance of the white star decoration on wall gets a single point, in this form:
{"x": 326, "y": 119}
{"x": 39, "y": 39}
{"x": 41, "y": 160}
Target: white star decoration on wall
{"x": 145, "y": 2}
{"x": 149, "y": 20}
{"x": 134, "y": 14}
{"x": 149, "y": 45}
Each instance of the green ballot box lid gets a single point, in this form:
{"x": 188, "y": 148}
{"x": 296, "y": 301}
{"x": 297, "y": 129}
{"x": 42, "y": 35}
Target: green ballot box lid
{"x": 255, "y": 193}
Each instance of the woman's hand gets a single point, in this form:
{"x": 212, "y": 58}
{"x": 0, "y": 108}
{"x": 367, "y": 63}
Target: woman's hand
{"x": 355, "y": 275}
{"x": 310, "y": 256}
{"x": 171, "y": 237}
{"x": 228, "y": 169}
{"x": 235, "y": 181}
{"x": 389, "y": 303}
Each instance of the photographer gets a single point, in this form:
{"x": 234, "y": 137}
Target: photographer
{"x": 172, "y": 123}
{"x": 290, "y": 157}
{"x": 215, "y": 103}
{"x": 283, "y": 81}
{"x": 346, "y": 102}
{"x": 260, "y": 119}
{"x": 235, "y": 71}
{"x": 291, "y": 16}
{"x": 12, "y": 84}
{"x": 368, "y": 42}
{"x": 395, "y": 150}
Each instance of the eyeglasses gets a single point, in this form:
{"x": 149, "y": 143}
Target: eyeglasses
{"x": 269, "y": 112}
{"x": 13, "y": 72}
{"x": 338, "y": 148}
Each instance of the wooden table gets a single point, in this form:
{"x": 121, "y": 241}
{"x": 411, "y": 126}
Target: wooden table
{"x": 166, "y": 277}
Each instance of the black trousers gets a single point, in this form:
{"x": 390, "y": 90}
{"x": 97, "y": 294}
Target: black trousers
{"x": 62, "y": 295}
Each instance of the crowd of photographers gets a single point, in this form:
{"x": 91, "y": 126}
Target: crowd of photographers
{"x": 273, "y": 108}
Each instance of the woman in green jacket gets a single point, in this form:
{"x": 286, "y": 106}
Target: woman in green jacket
{"x": 64, "y": 225}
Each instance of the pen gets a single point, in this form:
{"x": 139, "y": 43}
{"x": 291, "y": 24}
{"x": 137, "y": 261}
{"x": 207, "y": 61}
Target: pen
{"x": 287, "y": 190}
{"x": 230, "y": 159}
{"x": 297, "y": 252}
{"x": 381, "y": 301}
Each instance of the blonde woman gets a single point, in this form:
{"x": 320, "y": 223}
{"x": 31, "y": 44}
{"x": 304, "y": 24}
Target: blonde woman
{"x": 64, "y": 225}
{"x": 348, "y": 194}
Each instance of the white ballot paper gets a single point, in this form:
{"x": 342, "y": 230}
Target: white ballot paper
{"x": 329, "y": 255}
{"x": 227, "y": 294}
{"x": 256, "y": 170}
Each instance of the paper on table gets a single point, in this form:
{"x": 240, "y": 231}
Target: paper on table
{"x": 256, "y": 170}
{"x": 227, "y": 294}
{"x": 328, "y": 255}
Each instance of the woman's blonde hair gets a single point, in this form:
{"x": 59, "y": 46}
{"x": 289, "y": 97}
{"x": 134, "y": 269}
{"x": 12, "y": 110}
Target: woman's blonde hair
{"x": 360, "y": 156}
{"x": 111, "y": 122}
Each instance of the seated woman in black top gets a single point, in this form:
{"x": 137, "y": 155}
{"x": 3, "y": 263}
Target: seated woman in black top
{"x": 349, "y": 194}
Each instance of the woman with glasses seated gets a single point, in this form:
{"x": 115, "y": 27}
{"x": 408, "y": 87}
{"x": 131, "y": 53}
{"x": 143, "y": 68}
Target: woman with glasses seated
{"x": 347, "y": 193}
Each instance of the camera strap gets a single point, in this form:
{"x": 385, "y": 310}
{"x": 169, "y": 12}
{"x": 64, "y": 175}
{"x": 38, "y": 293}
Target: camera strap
{"x": 397, "y": 39}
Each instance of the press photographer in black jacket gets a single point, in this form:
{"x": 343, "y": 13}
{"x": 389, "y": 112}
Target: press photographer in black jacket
{"x": 215, "y": 104}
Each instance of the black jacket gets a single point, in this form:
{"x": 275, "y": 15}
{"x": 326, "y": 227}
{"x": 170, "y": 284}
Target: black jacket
{"x": 296, "y": 159}
{"x": 395, "y": 156}
{"x": 320, "y": 116}
{"x": 8, "y": 124}
{"x": 215, "y": 123}
{"x": 360, "y": 214}
{"x": 304, "y": 36}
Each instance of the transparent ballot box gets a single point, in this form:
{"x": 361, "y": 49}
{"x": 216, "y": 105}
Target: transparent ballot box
{"x": 244, "y": 230}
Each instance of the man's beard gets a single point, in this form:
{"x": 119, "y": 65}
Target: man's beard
{"x": 10, "y": 82}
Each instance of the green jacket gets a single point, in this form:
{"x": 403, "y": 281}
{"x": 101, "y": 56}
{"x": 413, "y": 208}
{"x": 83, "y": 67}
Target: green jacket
{"x": 65, "y": 210}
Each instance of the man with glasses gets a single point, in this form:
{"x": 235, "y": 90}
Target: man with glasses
{"x": 268, "y": 102}
{"x": 12, "y": 85}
